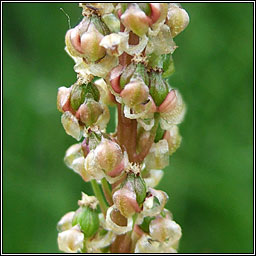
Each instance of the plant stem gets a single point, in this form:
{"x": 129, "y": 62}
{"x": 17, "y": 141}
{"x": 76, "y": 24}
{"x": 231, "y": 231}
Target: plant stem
{"x": 107, "y": 192}
{"x": 98, "y": 194}
{"x": 140, "y": 157}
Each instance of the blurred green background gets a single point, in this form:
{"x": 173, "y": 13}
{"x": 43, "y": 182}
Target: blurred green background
{"x": 210, "y": 179}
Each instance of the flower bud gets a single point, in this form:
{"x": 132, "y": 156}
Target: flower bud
{"x": 139, "y": 188}
{"x": 90, "y": 44}
{"x": 71, "y": 240}
{"x": 177, "y": 19}
{"x": 86, "y": 216}
{"x": 158, "y": 12}
{"x": 131, "y": 195}
{"x": 158, "y": 88}
{"x": 173, "y": 138}
{"x": 127, "y": 75}
{"x": 72, "y": 153}
{"x": 63, "y": 99}
{"x": 109, "y": 157}
{"x": 89, "y": 112}
{"x": 65, "y": 222}
{"x": 172, "y": 110}
{"x": 81, "y": 91}
{"x": 163, "y": 229}
{"x": 135, "y": 19}
{"x": 169, "y": 102}
{"x": 84, "y": 39}
{"x": 114, "y": 78}
{"x": 134, "y": 93}
{"x": 125, "y": 201}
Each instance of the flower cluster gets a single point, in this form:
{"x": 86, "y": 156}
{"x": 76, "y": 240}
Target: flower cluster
{"x": 123, "y": 58}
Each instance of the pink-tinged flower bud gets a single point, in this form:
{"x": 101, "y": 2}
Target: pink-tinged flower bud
{"x": 114, "y": 78}
{"x": 90, "y": 44}
{"x": 177, "y": 19}
{"x": 169, "y": 103}
{"x": 165, "y": 229}
{"x": 89, "y": 112}
{"x": 83, "y": 40}
{"x": 127, "y": 75}
{"x": 109, "y": 157}
{"x": 136, "y": 20}
{"x": 173, "y": 138}
{"x": 172, "y": 110}
{"x": 158, "y": 12}
{"x": 65, "y": 222}
{"x": 125, "y": 201}
{"x": 63, "y": 99}
{"x": 134, "y": 93}
{"x": 71, "y": 240}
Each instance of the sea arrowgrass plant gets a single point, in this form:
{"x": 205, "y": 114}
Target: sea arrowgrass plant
{"x": 123, "y": 58}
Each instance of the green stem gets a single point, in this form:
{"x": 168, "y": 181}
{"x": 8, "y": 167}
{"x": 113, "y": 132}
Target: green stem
{"x": 106, "y": 190}
{"x": 98, "y": 194}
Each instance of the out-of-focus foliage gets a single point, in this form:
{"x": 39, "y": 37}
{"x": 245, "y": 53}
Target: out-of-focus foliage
{"x": 210, "y": 178}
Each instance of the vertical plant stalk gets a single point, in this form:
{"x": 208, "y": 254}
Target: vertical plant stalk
{"x": 99, "y": 196}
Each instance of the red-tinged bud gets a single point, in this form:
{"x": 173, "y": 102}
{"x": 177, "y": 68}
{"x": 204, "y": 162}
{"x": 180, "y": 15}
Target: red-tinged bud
{"x": 158, "y": 12}
{"x": 125, "y": 201}
{"x": 114, "y": 78}
{"x": 84, "y": 39}
{"x": 89, "y": 112}
{"x": 109, "y": 157}
{"x": 134, "y": 93}
{"x": 169, "y": 103}
{"x": 136, "y": 20}
{"x": 63, "y": 99}
{"x": 90, "y": 45}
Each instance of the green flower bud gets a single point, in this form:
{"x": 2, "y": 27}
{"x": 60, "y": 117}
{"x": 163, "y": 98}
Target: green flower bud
{"x": 81, "y": 91}
{"x": 138, "y": 185}
{"x": 86, "y": 216}
{"x": 88, "y": 220}
{"x": 158, "y": 88}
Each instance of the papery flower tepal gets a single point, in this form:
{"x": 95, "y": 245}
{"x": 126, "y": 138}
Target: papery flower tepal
{"x": 123, "y": 54}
